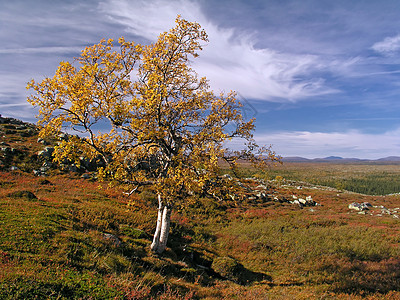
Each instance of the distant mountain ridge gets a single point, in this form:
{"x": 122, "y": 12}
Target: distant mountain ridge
{"x": 337, "y": 159}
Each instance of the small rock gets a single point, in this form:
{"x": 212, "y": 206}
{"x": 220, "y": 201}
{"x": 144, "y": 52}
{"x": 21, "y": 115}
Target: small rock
{"x": 42, "y": 141}
{"x": 355, "y": 206}
{"x": 358, "y": 206}
{"x": 261, "y": 196}
{"x": 302, "y": 201}
{"x": 261, "y": 187}
{"x": 47, "y": 164}
{"x": 63, "y": 136}
{"x": 112, "y": 238}
{"x": 73, "y": 168}
{"x": 46, "y": 152}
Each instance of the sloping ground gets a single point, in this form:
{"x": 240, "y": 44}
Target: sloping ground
{"x": 65, "y": 237}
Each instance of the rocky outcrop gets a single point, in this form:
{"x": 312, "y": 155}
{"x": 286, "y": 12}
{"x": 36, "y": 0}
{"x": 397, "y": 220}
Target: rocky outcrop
{"x": 262, "y": 193}
{"x": 366, "y": 208}
{"x": 360, "y": 206}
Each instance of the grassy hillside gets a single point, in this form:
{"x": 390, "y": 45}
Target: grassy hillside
{"x": 65, "y": 237}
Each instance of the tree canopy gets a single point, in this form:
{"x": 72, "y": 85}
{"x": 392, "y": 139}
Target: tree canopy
{"x": 147, "y": 114}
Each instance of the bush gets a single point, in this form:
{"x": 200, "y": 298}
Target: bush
{"x": 228, "y": 268}
{"x": 23, "y": 194}
{"x": 134, "y": 233}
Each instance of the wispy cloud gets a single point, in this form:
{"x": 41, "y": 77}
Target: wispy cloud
{"x": 231, "y": 61}
{"x": 36, "y": 50}
{"x": 388, "y": 46}
{"x": 351, "y": 143}
{"x": 14, "y": 105}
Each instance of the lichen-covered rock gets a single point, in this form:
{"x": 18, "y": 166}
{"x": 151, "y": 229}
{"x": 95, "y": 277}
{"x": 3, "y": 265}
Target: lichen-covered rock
{"x": 360, "y": 207}
{"x": 113, "y": 239}
{"x": 46, "y": 152}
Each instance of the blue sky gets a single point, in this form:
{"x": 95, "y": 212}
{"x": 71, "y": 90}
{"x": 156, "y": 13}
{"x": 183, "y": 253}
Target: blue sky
{"x": 322, "y": 77}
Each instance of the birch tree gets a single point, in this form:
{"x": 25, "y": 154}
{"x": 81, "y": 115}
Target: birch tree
{"x": 148, "y": 115}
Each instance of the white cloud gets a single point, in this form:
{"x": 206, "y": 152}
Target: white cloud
{"x": 38, "y": 50}
{"x": 388, "y": 46}
{"x": 351, "y": 143}
{"x": 230, "y": 61}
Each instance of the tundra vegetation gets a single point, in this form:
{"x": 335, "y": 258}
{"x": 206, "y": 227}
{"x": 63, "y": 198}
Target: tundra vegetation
{"x": 63, "y": 237}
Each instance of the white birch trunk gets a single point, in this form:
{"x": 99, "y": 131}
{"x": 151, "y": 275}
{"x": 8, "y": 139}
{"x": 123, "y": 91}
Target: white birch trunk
{"x": 156, "y": 238}
{"x": 166, "y": 221}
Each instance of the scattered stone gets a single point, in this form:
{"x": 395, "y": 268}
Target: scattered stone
{"x": 14, "y": 168}
{"x": 86, "y": 176}
{"x": 360, "y": 207}
{"x": 302, "y": 201}
{"x": 42, "y": 141}
{"x": 366, "y": 206}
{"x": 46, "y": 152}
{"x": 296, "y": 201}
{"x": 113, "y": 239}
{"x": 39, "y": 173}
{"x": 261, "y": 196}
{"x": 261, "y": 187}
{"x": 63, "y": 136}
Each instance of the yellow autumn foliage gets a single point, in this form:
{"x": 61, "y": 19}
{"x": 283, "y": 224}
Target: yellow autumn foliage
{"x": 146, "y": 113}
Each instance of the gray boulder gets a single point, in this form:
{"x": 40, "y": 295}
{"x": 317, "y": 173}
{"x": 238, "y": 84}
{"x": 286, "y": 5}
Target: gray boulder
{"x": 360, "y": 206}
{"x": 46, "y": 153}
{"x": 112, "y": 238}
